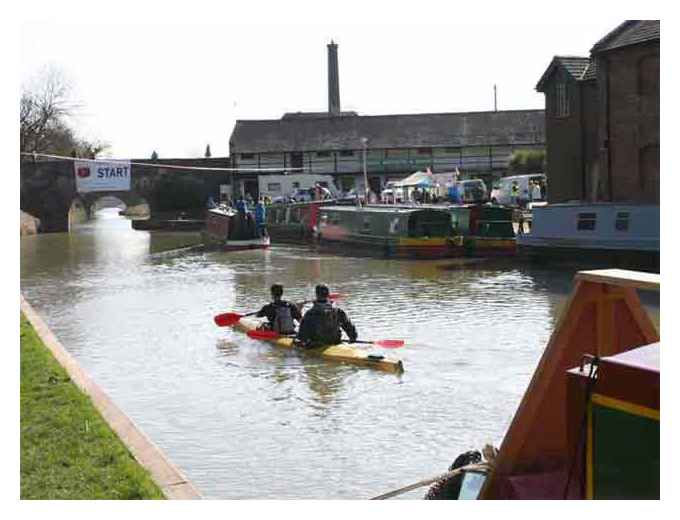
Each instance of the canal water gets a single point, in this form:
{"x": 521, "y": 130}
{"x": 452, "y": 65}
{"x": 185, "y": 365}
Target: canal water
{"x": 243, "y": 420}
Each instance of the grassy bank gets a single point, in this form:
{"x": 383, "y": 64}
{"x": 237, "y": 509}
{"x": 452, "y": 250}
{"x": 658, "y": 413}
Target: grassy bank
{"x": 67, "y": 450}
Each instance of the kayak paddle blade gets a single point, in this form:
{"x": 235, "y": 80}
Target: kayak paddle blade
{"x": 263, "y": 334}
{"x": 389, "y": 343}
{"x": 227, "y": 319}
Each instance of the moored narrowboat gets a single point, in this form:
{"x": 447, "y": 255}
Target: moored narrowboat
{"x": 229, "y": 231}
{"x": 626, "y": 235}
{"x": 294, "y": 222}
{"x": 486, "y": 229}
{"x": 391, "y": 231}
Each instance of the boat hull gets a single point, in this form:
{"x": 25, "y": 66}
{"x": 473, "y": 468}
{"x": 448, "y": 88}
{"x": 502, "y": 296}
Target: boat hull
{"x": 344, "y": 353}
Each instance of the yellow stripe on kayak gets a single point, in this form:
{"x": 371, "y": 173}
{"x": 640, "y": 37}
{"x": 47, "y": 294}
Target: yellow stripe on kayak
{"x": 347, "y": 353}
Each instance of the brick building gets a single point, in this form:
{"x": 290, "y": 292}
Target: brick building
{"x": 602, "y": 119}
{"x": 480, "y": 144}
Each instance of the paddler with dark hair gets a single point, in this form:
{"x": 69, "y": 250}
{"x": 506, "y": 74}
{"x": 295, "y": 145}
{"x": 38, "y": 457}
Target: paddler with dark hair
{"x": 280, "y": 313}
{"x": 322, "y": 323}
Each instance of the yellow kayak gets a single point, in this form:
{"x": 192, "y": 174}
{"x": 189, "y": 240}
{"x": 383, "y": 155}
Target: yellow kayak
{"x": 346, "y": 352}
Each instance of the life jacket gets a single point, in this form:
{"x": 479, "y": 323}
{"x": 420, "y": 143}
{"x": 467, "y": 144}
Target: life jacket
{"x": 283, "y": 320}
{"x": 326, "y": 324}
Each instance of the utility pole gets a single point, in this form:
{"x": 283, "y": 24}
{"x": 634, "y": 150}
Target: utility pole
{"x": 495, "y": 100}
{"x": 364, "y": 141}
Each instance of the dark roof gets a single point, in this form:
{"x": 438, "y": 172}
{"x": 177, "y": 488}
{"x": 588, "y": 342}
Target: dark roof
{"x": 591, "y": 72}
{"x": 630, "y": 32}
{"x": 390, "y": 131}
{"x": 574, "y": 65}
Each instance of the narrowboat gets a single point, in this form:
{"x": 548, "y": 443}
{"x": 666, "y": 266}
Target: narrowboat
{"x": 294, "y": 222}
{"x": 620, "y": 234}
{"x": 229, "y": 231}
{"x": 400, "y": 232}
{"x": 487, "y": 230}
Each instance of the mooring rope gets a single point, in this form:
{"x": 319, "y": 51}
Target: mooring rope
{"x": 427, "y": 482}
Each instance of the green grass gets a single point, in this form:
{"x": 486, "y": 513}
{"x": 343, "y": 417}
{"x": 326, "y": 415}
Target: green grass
{"x": 67, "y": 450}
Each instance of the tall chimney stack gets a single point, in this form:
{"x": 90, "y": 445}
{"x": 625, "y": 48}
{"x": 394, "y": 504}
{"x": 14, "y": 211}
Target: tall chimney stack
{"x": 333, "y": 80}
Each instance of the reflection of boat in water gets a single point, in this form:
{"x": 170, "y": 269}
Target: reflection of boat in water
{"x": 346, "y": 353}
{"x": 228, "y": 230}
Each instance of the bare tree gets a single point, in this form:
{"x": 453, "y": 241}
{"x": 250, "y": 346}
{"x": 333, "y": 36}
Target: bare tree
{"x": 45, "y": 106}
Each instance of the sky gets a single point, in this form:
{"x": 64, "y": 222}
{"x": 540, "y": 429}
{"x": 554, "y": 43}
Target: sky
{"x": 175, "y": 88}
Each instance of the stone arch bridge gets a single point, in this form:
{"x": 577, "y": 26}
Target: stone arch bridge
{"x": 48, "y": 189}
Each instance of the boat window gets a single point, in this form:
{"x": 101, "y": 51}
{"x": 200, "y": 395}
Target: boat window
{"x": 346, "y": 153}
{"x": 296, "y": 185}
{"x": 323, "y": 154}
{"x": 586, "y": 221}
{"x": 294, "y": 217}
{"x": 274, "y": 186}
{"x": 622, "y": 221}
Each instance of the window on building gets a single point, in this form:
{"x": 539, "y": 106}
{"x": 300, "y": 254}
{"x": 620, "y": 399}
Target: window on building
{"x": 274, "y": 186}
{"x": 296, "y": 159}
{"x": 425, "y": 151}
{"x": 622, "y": 221}
{"x": 247, "y": 156}
{"x": 586, "y": 221}
{"x": 323, "y": 154}
{"x": 561, "y": 100}
{"x": 346, "y": 153}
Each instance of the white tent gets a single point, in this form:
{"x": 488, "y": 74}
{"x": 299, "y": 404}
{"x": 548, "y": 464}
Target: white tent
{"x": 415, "y": 180}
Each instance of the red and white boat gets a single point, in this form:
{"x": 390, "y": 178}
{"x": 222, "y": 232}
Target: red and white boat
{"x": 229, "y": 231}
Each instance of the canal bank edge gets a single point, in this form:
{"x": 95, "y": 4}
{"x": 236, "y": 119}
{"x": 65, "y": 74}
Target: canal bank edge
{"x": 171, "y": 481}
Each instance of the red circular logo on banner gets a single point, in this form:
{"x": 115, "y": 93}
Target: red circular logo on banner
{"x": 84, "y": 172}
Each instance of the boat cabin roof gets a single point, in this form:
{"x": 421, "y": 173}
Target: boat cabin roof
{"x": 382, "y": 210}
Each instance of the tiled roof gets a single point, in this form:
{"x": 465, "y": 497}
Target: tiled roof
{"x": 630, "y": 32}
{"x": 590, "y": 73}
{"x": 574, "y": 65}
{"x": 390, "y": 131}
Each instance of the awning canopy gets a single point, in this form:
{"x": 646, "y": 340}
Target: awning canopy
{"x": 415, "y": 180}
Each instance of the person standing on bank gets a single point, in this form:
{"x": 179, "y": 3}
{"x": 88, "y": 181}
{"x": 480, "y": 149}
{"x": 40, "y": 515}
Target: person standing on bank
{"x": 322, "y": 324}
{"x": 281, "y": 315}
{"x": 260, "y": 218}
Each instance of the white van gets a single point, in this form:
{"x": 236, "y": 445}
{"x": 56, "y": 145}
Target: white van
{"x": 502, "y": 192}
{"x": 283, "y": 187}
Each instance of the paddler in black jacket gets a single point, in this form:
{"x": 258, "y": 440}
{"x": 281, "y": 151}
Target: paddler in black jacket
{"x": 322, "y": 323}
{"x": 280, "y": 313}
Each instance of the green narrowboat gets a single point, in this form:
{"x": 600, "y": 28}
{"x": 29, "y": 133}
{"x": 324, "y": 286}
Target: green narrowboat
{"x": 486, "y": 230}
{"x": 402, "y": 232}
{"x": 293, "y": 222}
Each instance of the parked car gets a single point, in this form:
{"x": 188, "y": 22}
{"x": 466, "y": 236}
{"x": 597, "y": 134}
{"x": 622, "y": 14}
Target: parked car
{"x": 471, "y": 191}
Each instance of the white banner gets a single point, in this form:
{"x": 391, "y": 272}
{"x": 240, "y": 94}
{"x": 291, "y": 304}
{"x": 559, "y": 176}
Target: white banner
{"x": 102, "y": 176}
